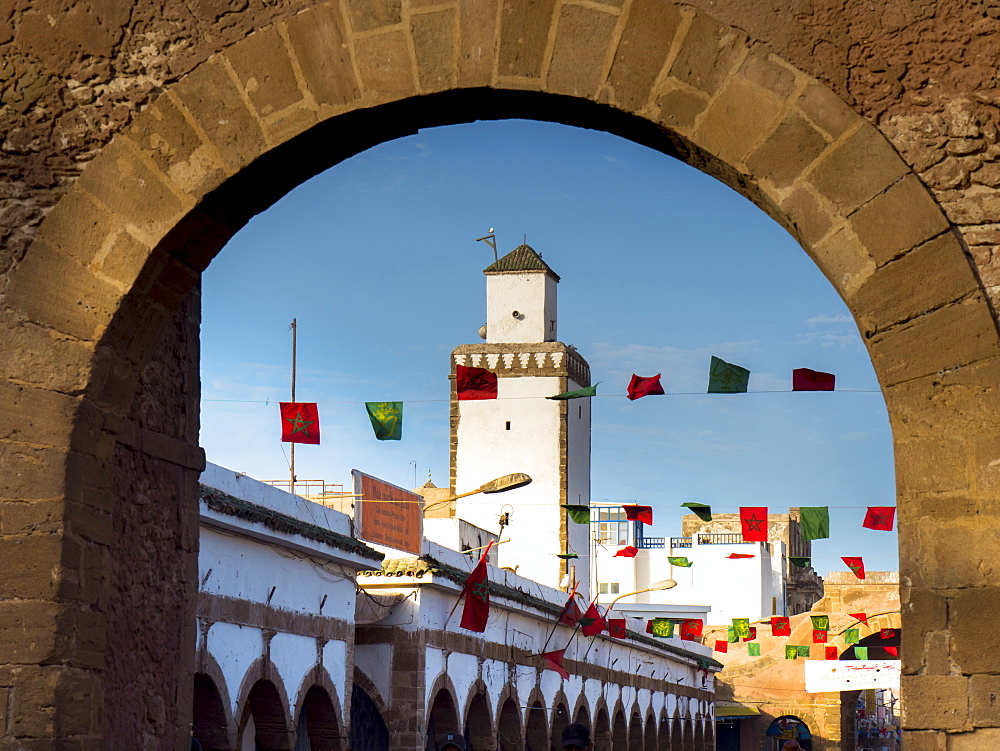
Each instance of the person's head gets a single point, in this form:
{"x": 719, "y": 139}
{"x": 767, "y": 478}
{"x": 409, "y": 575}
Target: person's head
{"x": 576, "y": 736}
{"x": 791, "y": 746}
{"x": 452, "y": 742}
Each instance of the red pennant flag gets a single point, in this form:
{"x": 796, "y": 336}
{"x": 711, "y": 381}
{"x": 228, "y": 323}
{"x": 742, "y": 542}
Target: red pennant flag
{"x": 570, "y": 613}
{"x": 780, "y": 626}
{"x": 635, "y": 513}
{"x": 475, "y": 383}
{"x": 477, "y": 596}
{"x": 855, "y": 564}
{"x": 754, "y": 522}
{"x": 894, "y": 651}
{"x": 616, "y": 628}
{"x": 593, "y": 622}
{"x": 736, "y": 556}
{"x": 649, "y": 626}
{"x": 299, "y": 422}
{"x": 691, "y": 629}
{"x": 721, "y": 645}
{"x": 887, "y": 633}
{"x": 860, "y": 616}
{"x": 880, "y": 517}
{"x": 804, "y": 379}
{"x": 553, "y": 661}
{"x": 831, "y": 653}
{"x": 639, "y": 387}
{"x": 753, "y": 634}
{"x": 819, "y": 637}
{"x": 627, "y": 552}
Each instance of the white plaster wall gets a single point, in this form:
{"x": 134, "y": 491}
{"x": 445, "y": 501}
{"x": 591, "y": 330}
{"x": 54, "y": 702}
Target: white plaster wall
{"x": 234, "y": 648}
{"x": 487, "y": 450}
{"x": 375, "y": 661}
{"x": 578, "y": 423}
{"x": 533, "y": 296}
{"x": 335, "y": 663}
{"x": 463, "y": 670}
{"x": 293, "y": 656}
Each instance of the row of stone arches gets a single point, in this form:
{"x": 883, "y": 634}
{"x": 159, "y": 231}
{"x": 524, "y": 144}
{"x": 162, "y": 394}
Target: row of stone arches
{"x": 539, "y": 727}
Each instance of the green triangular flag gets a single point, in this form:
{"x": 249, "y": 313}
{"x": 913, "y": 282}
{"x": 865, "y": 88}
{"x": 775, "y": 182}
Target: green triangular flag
{"x": 820, "y": 622}
{"x": 566, "y": 556}
{"x": 815, "y": 522}
{"x": 679, "y": 561}
{"x": 800, "y": 562}
{"x": 585, "y": 621}
{"x": 387, "y": 419}
{"x": 702, "y": 511}
{"x": 726, "y": 378}
{"x": 742, "y": 627}
{"x": 791, "y": 652}
{"x": 753, "y": 649}
{"x": 852, "y": 636}
{"x": 804, "y": 650}
{"x": 579, "y": 514}
{"x": 731, "y": 636}
{"x": 663, "y": 627}
{"x": 589, "y": 391}
{"x": 861, "y": 653}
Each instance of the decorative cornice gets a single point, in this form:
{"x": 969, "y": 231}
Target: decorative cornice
{"x": 552, "y": 359}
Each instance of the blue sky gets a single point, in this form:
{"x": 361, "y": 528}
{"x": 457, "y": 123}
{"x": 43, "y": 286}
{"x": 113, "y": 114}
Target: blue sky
{"x": 662, "y": 267}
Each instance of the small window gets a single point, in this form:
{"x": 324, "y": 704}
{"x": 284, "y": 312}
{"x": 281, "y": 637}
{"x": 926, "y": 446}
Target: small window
{"x": 607, "y": 588}
{"x": 579, "y": 412}
{"x": 508, "y": 425}
{"x": 774, "y": 606}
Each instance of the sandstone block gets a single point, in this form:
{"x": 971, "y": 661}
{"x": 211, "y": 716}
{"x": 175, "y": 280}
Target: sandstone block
{"x": 915, "y": 217}
{"x": 708, "y": 54}
{"x": 434, "y": 42}
{"x": 925, "y": 741}
{"x": 984, "y": 692}
{"x": 31, "y": 566}
{"x": 319, "y": 43}
{"x": 477, "y": 42}
{"x": 809, "y": 218}
{"x": 975, "y": 740}
{"x": 27, "y": 517}
{"x": 986, "y": 458}
{"x": 647, "y": 35}
{"x": 387, "y": 68}
{"x": 826, "y": 110}
{"x": 264, "y": 72}
{"x": 739, "y": 101}
{"x": 844, "y": 260}
{"x": 30, "y": 351}
{"x": 783, "y": 156}
{"x": 988, "y": 174}
{"x": 524, "y": 33}
{"x": 768, "y": 72}
{"x": 583, "y": 36}
{"x": 122, "y": 260}
{"x": 855, "y": 170}
{"x": 77, "y": 226}
{"x": 935, "y": 702}
{"x": 955, "y": 554}
{"x": 373, "y": 14}
{"x": 982, "y": 207}
{"x": 975, "y": 640}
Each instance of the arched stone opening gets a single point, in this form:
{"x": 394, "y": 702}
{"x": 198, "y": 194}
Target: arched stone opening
{"x": 582, "y": 715}
{"x": 210, "y": 723}
{"x": 368, "y": 729}
{"x": 649, "y": 737}
{"x": 676, "y": 734}
{"x": 635, "y": 734}
{"x": 699, "y": 735}
{"x": 479, "y": 725}
{"x": 114, "y": 261}
{"x": 789, "y": 727}
{"x": 709, "y": 733}
{"x": 509, "y": 727}
{"x": 560, "y": 719}
{"x": 884, "y": 644}
{"x": 265, "y": 720}
{"x": 687, "y": 730}
{"x": 318, "y": 726}
{"x": 663, "y": 734}
{"x": 442, "y": 717}
{"x": 602, "y": 729}
{"x": 619, "y": 732}
{"x": 536, "y": 735}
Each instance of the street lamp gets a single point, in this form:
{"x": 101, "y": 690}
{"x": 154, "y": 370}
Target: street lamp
{"x": 499, "y": 485}
{"x": 660, "y": 585}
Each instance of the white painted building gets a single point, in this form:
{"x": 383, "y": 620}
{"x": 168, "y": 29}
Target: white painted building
{"x": 521, "y": 430}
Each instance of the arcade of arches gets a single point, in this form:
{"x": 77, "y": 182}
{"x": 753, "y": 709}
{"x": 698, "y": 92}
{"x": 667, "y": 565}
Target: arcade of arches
{"x": 138, "y": 137}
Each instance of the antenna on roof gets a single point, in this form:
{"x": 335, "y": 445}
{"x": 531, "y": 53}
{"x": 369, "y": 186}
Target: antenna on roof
{"x": 491, "y": 240}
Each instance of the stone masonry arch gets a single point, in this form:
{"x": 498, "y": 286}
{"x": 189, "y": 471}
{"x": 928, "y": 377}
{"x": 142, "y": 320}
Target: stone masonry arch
{"x": 99, "y": 449}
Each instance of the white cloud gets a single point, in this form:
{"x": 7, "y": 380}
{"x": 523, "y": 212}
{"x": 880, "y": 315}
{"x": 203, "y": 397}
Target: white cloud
{"x": 828, "y": 318}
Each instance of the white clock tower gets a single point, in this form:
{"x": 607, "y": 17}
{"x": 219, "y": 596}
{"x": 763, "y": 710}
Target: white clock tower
{"x": 521, "y": 430}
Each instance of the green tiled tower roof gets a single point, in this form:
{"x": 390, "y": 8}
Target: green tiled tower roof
{"x": 522, "y": 258}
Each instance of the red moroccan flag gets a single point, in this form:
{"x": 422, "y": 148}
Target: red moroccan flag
{"x": 887, "y": 633}
{"x": 894, "y": 651}
{"x": 804, "y": 379}
{"x": 553, "y": 661}
{"x": 753, "y": 634}
{"x": 639, "y": 387}
{"x": 691, "y": 629}
{"x": 593, "y": 622}
{"x": 855, "y": 564}
{"x": 628, "y": 551}
{"x": 860, "y": 616}
{"x": 571, "y": 612}
{"x": 780, "y": 626}
{"x": 721, "y": 645}
{"x": 754, "y": 522}
{"x": 299, "y": 422}
{"x": 880, "y": 517}
{"x": 649, "y": 626}
{"x": 819, "y": 637}
{"x": 477, "y": 596}
{"x": 635, "y": 513}
{"x": 616, "y": 627}
{"x": 475, "y": 383}
{"x": 831, "y": 653}
{"x": 737, "y": 556}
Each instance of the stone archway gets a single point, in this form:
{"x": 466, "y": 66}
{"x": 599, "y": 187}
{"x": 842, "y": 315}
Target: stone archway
{"x": 210, "y": 723}
{"x": 649, "y": 734}
{"x": 442, "y": 717}
{"x": 560, "y": 719}
{"x": 265, "y": 720}
{"x": 602, "y": 729}
{"x": 619, "y": 732}
{"x": 104, "y": 291}
{"x": 509, "y": 727}
{"x": 478, "y": 723}
{"x": 319, "y": 721}
{"x": 635, "y": 734}
{"x": 368, "y": 731}
{"x": 536, "y": 732}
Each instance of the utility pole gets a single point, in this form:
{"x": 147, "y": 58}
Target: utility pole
{"x": 294, "y": 328}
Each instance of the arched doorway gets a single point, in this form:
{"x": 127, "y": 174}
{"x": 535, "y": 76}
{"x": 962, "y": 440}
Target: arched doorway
{"x": 162, "y": 213}
{"x": 209, "y": 724}
{"x": 583, "y": 717}
{"x": 676, "y": 734}
{"x": 368, "y": 729}
{"x": 787, "y": 727}
{"x": 602, "y": 730}
{"x": 479, "y": 724}
{"x": 650, "y": 734}
{"x": 509, "y": 727}
{"x": 635, "y": 735}
{"x": 560, "y": 719}
{"x": 265, "y": 723}
{"x": 663, "y": 733}
{"x": 536, "y": 732}
{"x": 442, "y": 717}
{"x": 619, "y": 732}
{"x": 699, "y": 734}
{"x": 318, "y": 728}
